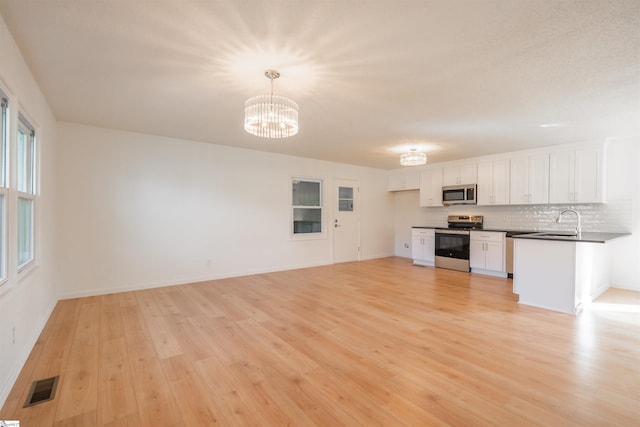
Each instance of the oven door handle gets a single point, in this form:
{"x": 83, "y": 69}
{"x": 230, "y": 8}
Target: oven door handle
{"x": 452, "y": 232}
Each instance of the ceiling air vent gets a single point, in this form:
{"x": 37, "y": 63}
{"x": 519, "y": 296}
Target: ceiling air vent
{"x": 42, "y": 391}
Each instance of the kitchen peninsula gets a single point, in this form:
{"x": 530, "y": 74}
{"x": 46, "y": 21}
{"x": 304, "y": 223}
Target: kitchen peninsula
{"x": 561, "y": 272}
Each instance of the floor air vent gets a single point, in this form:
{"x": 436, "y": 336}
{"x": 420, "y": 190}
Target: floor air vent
{"x": 42, "y": 391}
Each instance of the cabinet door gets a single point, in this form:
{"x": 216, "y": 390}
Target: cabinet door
{"x": 412, "y": 181}
{"x": 493, "y": 182}
{"x": 403, "y": 181}
{"x": 477, "y": 254}
{"x": 468, "y": 174}
{"x": 500, "y": 182}
{"x": 417, "y": 248}
{"x": 429, "y": 248}
{"x": 436, "y": 186}
{"x": 561, "y": 177}
{"x": 395, "y": 182}
{"x": 451, "y": 175}
{"x": 494, "y": 259}
{"x": 423, "y": 244}
{"x": 589, "y": 182}
{"x": 460, "y": 174}
{"x": 431, "y": 187}
{"x": 539, "y": 179}
{"x": 519, "y": 181}
{"x": 485, "y": 183}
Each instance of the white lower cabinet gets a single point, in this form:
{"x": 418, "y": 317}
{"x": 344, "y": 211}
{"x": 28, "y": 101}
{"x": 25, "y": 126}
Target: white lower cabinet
{"x": 423, "y": 246}
{"x": 560, "y": 275}
{"x": 486, "y": 253}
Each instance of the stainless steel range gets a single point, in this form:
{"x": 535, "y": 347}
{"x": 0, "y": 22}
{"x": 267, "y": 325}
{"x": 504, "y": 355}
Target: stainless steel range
{"x": 452, "y": 243}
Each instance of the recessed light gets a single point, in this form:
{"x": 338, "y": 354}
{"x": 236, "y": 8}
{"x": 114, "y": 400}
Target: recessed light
{"x": 552, "y": 125}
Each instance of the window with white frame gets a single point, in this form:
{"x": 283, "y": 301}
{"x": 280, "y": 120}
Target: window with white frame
{"x": 307, "y": 206}
{"x": 4, "y": 137}
{"x": 26, "y": 186}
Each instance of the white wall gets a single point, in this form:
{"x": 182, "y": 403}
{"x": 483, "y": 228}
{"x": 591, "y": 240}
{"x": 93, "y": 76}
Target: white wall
{"x": 621, "y": 214}
{"x": 140, "y": 211}
{"x": 27, "y": 300}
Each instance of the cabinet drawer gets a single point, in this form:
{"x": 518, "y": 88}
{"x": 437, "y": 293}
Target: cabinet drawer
{"x": 423, "y": 232}
{"x": 487, "y": 236}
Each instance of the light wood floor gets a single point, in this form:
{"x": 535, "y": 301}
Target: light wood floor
{"x": 372, "y": 343}
{"x": 620, "y": 297}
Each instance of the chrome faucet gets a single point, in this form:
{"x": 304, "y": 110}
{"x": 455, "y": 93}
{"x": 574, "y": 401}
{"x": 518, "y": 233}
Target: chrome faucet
{"x": 578, "y": 227}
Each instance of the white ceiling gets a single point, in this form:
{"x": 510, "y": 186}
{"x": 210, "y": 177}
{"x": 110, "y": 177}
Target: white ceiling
{"x": 459, "y": 78}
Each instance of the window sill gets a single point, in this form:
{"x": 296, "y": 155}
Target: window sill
{"x": 26, "y": 270}
{"x": 308, "y": 236}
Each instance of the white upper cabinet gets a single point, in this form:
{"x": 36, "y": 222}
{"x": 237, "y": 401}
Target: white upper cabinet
{"x": 431, "y": 187}
{"x": 529, "y": 179}
{"x": 572, "y": 173}
{"x": 403, "y": 181}
{"x": 460, "y": 174}
{"x": 577, "y": 176}
{"x": 412, "y": 181}
{"x": 493, "y": 182}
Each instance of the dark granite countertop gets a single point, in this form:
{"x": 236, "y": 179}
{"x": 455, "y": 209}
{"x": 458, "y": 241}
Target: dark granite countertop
{"x": 587, "y": 236}
{"x": 510, "y": 233}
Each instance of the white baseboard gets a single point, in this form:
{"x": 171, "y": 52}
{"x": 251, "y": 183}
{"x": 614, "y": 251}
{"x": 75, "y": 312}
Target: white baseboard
{"x": 376, "y": 256}
{"x": 195, "y": 279}
{"x": 489, "y": 272}
{"x": 183, "y": 281}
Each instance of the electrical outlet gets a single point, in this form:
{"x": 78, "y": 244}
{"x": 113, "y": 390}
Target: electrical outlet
{"x": 406, "y": 245}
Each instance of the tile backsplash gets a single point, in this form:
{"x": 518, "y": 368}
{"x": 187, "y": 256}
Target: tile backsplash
{"x": 611, "y": 217}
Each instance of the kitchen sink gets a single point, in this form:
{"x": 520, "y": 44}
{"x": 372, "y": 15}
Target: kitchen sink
{"x": 552, "y": 235}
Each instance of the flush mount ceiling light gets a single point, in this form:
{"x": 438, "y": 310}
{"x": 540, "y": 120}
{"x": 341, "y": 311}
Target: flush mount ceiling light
{"x": 270, "y": 116}
{"x": 413, "y": 158}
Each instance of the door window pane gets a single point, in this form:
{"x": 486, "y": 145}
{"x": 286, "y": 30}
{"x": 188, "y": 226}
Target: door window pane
{"x": 345, "y": 199}
{"x": 345, "y": 192}
{"x": 345, "y": 205}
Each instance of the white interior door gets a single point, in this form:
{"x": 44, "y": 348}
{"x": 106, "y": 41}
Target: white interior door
{"x": 346, "y": 222}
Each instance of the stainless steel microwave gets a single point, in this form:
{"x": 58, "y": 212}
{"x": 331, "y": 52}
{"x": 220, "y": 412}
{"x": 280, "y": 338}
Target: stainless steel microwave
{"x": 459, "y": 194}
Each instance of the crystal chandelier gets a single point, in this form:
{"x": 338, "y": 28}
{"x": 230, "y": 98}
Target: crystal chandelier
{"x": 413, "y": 158}
{"x": 270, "y": 116}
